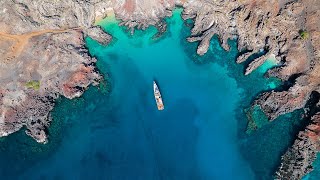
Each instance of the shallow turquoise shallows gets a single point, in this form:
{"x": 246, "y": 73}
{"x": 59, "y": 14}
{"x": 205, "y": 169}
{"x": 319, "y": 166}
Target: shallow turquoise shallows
{"x": 116, "y": 132}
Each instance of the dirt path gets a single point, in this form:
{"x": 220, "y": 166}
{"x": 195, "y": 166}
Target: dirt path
{"x": 20, "y": 41}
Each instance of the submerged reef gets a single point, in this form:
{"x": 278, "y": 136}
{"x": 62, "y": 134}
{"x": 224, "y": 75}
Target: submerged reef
{"x": 43, "y": 42}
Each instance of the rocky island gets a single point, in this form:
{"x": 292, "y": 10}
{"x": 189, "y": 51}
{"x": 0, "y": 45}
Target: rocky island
{"x": 43, "y": 55}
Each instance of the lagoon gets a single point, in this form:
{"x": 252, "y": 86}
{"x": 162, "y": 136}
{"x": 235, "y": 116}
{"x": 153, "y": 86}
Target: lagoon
{"x": 116, "y": 132}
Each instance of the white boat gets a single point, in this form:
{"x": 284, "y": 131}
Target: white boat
{"x": 157, "y": 96}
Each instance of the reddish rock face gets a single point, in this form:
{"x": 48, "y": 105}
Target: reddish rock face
{"x": 10, "y": 116}
{"x": 313, "y": 130}
{"x": 129, "y": 6}
{"x": 69, "y": 91}
{"x": 78, "y": 81}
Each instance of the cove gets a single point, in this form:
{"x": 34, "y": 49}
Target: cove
{"x": 116, "y": 132}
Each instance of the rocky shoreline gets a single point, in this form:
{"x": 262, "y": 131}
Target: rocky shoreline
{"x": 286, "y": 29}
{"x": 297, "y": 161}
{"x": 43, "y": 54}
{"x": 44, "y": 75}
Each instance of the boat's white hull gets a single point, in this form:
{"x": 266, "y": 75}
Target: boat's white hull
{"x": 157, "y": 96}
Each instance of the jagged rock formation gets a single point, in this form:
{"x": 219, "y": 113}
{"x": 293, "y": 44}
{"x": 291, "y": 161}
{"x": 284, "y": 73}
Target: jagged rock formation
{"x": 210, "y": 18}
{"x": 258, "y": 25}
{"x": 265, "y": 26}
{"x": 302, "y": 59}
{"x": 297, "y": 161}
{"x": 97, "y": 34}
{"x": 275, "y": 28}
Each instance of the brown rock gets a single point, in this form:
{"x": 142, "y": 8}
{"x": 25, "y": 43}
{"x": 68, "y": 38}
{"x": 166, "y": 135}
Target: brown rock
{"x": 297, "y": 161}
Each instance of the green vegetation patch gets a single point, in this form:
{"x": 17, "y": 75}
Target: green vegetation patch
{"x": 33, "y": 84}
{"x": 304, "y": 34}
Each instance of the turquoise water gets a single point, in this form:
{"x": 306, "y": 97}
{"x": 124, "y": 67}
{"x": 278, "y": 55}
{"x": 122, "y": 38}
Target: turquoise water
{"x": 116, "y": 132}
{"x": 315, "y": 174}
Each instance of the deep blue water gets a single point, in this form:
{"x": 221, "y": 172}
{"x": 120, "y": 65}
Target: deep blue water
{"x": 116, "y": 132}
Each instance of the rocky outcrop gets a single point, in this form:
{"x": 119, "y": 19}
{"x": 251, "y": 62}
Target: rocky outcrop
{"x": 97, "y": 34}
{"x": 269, "y": 27}
{"x": 297, "y": 161}
{"x": 210, "y": 18}
{"x": 50, "y": 64}
{"x": 259, "y": 26}
{"x": 275, "y": 103}
{"x": 302, "y": 58}
{"x": 43, "y": 56}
